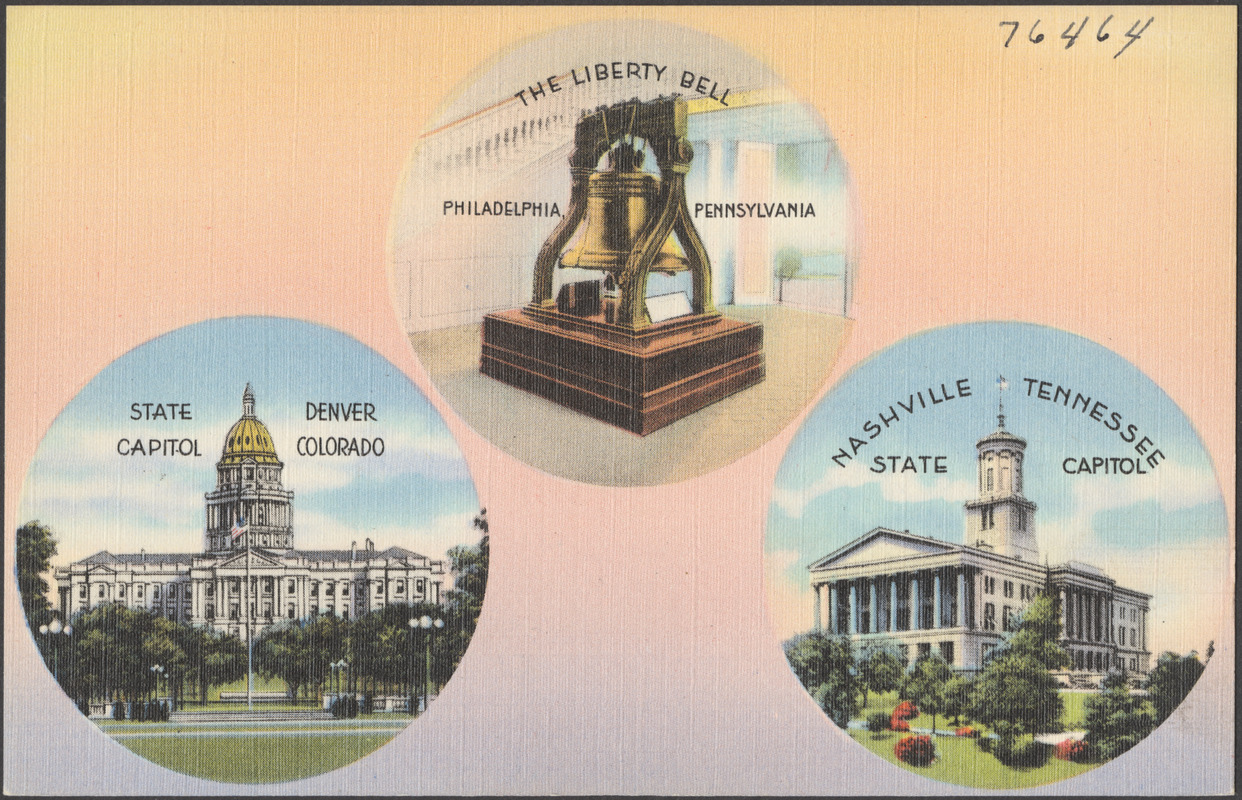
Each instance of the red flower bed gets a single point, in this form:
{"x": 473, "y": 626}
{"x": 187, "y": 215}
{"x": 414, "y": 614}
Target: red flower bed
{"x": 1072, "y": 750}
{"x": 967, "y": 731}
{"x": 917, "y": 751}
{"x": 901, "y": 713}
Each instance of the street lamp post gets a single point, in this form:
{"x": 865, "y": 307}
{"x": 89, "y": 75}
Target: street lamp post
{"x": 51, "y": 629}
{"x": 158, "y": 672}
{"x": 426, "y": 623}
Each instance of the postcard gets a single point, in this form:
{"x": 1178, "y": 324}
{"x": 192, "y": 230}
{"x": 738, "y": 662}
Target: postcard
{"x": 658, "y": 401}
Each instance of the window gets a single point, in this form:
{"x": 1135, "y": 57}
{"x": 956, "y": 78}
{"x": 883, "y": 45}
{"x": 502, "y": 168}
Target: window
{"x": 82, "y": 591}
{"x": 292, "y": 587}
{"x": 400, "y": 587}
{"x": 314, "y": 611}
{"x": 211, "y": 611}
{"x": 211, "y": 590}
{"x": 1121, "y": 639}
{"x": 140, "y": 588}
{"x": 988, "y": 520}
{"x": 1134, "y": 665}
{"x": 985, "y": 651}
{"x": 188, "y": 594}
{"x": 314, "y": 590}
{"x": 418, "y": 585}
{"x": 946, "y": 651}
{"x": 989, "y": 616}
{"x": 1133, "y": 638}
{"x": 905, "y": 655}
{"x": 234, "y": 612}
{"x": 1007, "y": 618}
{"x": 267, "y": 610}
{"x": 924, "y": 649}
{"x": 291, "y": 611}
{"x": 155, "y": 591}
{"x": 330, "y": 589}
{"x": 989, "y": 480}
{"x": 379, "y": 587}
{"x": 1008, "y": 588}
{"x": 989, "y": 585}
{"x": 345, "y": 590}
{"x": 120, "y": 590}
{"x": 1021, "y": 518}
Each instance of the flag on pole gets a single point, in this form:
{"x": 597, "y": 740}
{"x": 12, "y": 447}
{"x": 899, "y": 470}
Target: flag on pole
{"x": 1001, "y": 383}
{"x": 239, "y": 527}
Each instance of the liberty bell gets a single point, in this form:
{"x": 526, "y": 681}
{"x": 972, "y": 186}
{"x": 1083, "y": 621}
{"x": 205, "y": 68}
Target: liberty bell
{"x": 619, "y": 204}
{"x": 597, "y": 348}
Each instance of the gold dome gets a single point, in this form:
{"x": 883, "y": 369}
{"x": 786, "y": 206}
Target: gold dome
{"x": 248, "y": 438}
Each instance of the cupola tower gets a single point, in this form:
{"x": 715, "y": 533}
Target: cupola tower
{"x": 1000, "y": 518}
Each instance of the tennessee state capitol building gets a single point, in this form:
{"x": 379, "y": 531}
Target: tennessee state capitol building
{"x": 958, "y": 600}
{"x": 285, "y": 582}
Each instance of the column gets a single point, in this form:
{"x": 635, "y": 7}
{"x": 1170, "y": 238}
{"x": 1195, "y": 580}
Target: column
{"x": 852, "y": 623}
{"x": 1064, "y": 612}
{"x": 874, "y": 609}
{"x": 1143, "y": 629}
{"x": 892, "y": 604}
{"x": 936, "y": 621}
{"x": 914, "y": 602}
{"x": 830, "y": 611}
{"x": 961, "y": 597}
{"x": 815, "y": 614}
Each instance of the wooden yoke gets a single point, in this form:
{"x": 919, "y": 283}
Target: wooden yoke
{"x": 662, "y": 124}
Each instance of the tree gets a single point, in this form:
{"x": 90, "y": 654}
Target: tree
{"x": 825, "y": 666}
{"x": 957, "y": 697}
{"x": 1017, "y": 688}
{"x": 924, "y": 685}
{"x": 1116, "y": 719}
{"x": 879, "y": 668}
{"x": 36, "y": 546}
{"x": 1016, "y": 684}
{"x": 1172, "y": 679}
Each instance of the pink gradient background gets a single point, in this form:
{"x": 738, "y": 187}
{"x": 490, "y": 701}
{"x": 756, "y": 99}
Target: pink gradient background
{"x": 169, "y": 165}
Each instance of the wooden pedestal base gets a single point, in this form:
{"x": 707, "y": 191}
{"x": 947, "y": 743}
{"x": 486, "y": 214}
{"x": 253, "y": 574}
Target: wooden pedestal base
{"x": 637, "y": 380}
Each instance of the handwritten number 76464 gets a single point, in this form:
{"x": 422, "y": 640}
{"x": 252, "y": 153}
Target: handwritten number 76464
{"x": 1070, "y": 34}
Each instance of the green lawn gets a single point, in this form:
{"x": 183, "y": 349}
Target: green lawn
{"x": 959, "y": 761}
{"x": 235, "y": 758}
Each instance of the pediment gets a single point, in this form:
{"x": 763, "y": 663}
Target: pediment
{"x": 256, "y": 559}
{"x": 882, "y": 545}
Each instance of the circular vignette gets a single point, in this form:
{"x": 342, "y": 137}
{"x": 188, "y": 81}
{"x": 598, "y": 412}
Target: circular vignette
{"x": 258, "y": 529}
{"x": 1010, "y": 532}
{"x": 489, "y": 181}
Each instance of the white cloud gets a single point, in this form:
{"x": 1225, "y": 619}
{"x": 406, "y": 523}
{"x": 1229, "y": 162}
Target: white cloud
{"x": 907, "y": 487}
{"x": 789, "y": 601}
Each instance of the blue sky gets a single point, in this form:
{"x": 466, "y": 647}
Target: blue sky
{"x": 1165, "y": 533}
{"x": 419, "y": 494}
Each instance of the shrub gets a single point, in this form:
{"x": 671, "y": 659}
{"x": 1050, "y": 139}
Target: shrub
{"x": 1013, "y": 751}
{"x": 985, "y": 743}
{"x": 1072, "y": 750}
{"x": 967, "y": 731}
{"x": 917, "y": 751}
{"x": 118, "y": 710}
{"x": 899, "y": 725}
{"x": 877, "y": 722}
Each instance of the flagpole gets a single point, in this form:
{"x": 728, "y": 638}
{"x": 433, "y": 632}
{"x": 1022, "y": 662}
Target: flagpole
{"x": 249, "y": 628}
